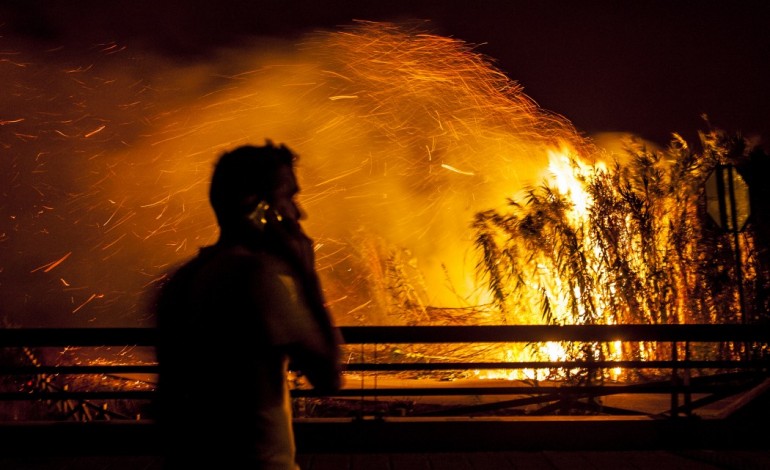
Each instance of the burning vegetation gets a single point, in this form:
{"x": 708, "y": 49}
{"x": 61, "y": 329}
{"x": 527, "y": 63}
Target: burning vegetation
{"x": 625, "y": 242}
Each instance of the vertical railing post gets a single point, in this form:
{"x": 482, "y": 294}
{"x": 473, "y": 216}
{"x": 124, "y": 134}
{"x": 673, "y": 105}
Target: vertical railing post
{"x": 361, "y": 403}
{"x": 674, "y": 381}
{"x": 686, "y": 381}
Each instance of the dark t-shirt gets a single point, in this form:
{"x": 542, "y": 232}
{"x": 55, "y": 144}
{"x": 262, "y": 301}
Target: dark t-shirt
{"x": 230, "y": 320}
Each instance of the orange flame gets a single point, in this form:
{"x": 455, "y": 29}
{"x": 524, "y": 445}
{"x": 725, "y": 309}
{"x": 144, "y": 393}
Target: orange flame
{"x": 403, "y": 136}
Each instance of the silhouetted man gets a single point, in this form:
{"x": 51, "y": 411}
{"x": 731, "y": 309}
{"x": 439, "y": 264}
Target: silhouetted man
{"x": 233, "y": 318}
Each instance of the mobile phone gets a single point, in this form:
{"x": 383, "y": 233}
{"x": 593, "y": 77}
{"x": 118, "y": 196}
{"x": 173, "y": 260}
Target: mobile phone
{"x": 264, "y": 215}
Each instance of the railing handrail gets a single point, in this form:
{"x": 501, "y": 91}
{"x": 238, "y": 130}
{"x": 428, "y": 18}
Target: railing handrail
{"x": 148, "y": 336}
{"x": 540, "y": 333}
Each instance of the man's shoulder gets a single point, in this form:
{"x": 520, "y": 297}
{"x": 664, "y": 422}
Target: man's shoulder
{"x": 265, "y": 275}
{"x": 241, "y": 255}
{"x": 231, "y": 258}
{"x": 234, "y": 264}
{"x": 224, "y": 268}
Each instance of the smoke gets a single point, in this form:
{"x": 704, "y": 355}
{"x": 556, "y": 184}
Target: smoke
{"x": 107, "y": 154}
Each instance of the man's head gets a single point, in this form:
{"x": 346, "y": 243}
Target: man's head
{"x": 247, "y": 175}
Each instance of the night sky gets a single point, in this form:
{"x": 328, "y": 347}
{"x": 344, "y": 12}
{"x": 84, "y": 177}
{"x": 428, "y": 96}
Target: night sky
{"x": 649, "y": 68}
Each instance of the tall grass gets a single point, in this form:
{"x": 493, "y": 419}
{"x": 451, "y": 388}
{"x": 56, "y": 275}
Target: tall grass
{"x": 644, "y": 251}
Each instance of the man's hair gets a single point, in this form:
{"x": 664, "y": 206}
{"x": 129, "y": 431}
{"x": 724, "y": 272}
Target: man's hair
{"x": 248, "y": 173}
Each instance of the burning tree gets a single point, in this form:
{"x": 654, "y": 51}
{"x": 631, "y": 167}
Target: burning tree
{"x": 628, "y": 242}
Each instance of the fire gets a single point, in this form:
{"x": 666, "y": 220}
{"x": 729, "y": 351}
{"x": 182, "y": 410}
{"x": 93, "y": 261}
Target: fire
{"x": 403, "y": 135}
{"x": 410, "y": 146}
{"x": 567, "y": 174}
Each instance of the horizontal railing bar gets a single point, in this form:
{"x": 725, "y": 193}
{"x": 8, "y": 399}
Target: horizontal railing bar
{"x": 400, "y": 391}
{"x": 413, "y": 366}
{"x": 725, "y": 382}
{"x": 79, "y": 369}
{"x": 34, "y": 337}
{"x": 520, "y": 390}
{"x": 539, "y": 333}
{"x": 432, "y": 366}
{"x": 80, "y": 395}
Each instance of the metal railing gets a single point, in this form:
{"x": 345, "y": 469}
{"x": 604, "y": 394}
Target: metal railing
{"x": 681, "y": 376}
